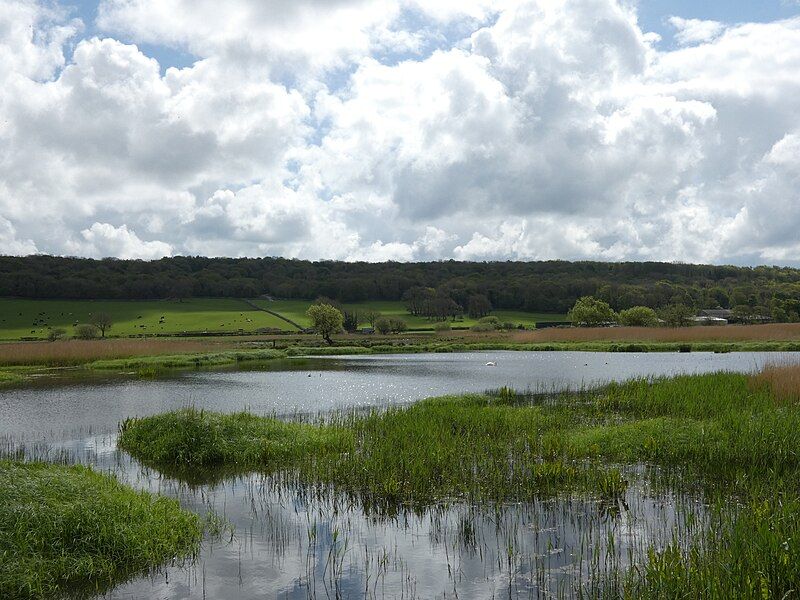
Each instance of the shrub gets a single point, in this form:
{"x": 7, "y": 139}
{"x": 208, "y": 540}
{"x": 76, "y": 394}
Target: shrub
{"x": 638, "y": 316}
{"x": 490, "y": 320}
{"x": 383, "y": 326}
{"x": 56, "y": 333}
{"x": 398, "y": 325}
{"x": 87, "y": 332}
{"x": 386, "y": 325}
{"x": 442, "y": 326}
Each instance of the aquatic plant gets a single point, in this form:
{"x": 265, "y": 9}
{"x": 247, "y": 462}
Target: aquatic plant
{"x": 64, "y": 530}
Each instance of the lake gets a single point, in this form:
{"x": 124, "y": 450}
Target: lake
{"x": 286, "y": 541}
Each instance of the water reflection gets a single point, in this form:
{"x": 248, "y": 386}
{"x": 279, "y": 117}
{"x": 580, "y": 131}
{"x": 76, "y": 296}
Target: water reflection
{"x": 296, "y": 542}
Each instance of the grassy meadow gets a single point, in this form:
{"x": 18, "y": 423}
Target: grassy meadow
{"x": 70, "y": 531}
{"x": 733, "y": 436}
{"x": 33, "y": 318}
{"x": 296, "y": 311}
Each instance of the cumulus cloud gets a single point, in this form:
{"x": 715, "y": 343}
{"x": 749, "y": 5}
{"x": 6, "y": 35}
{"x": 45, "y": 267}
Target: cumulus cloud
{"x": 103, "y": 239}
{"x": 693, "y": 31}
{"x": 398, "y": 129}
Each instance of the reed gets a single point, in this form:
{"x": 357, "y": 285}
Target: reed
{"x": 78, "y": 352}
{"x": 786, "y": 332}
{"x": 782, "y": 379}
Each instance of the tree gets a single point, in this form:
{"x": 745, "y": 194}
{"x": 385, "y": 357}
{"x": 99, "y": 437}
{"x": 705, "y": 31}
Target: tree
{"x": 103, "y": 321}
{"x": 478, "y": 306}
{"x": 86, "y": 331}
{"x": 591, "y": 312}
{"x": 351, "y": 321}
{"x": 384, "y": 326}
{"x": 416, "y": 299}
{"x": 638, "y": 316}
{"x": 325, "y": 320}
{"x": 677, "y": 315}
{"x": 371, "y": 316}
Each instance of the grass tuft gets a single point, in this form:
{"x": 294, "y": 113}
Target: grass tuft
{"x": 65, "y": 531}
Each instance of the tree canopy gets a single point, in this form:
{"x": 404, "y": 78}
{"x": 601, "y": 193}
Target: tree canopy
{"x": 438, "y": 289}
{"x": 591, "y": 312}
{"x": 325, "y": 320}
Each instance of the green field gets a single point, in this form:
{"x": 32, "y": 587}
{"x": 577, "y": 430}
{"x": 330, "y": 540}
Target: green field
{"x": 34, "y": 318}
{"x": 296, "y": 311}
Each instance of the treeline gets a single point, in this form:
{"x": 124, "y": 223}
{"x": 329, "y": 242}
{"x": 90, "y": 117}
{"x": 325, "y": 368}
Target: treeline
{"x": 550, "y": 286}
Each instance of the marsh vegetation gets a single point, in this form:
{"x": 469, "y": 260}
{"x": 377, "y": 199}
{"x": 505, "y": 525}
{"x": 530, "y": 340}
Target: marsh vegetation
{"x": 69, "y": 531}
{"x": 643, "y": 488}
{"x": 728, "y": 438}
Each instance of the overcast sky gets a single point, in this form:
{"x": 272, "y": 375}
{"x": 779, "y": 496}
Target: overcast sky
{"x": 402, "y": 129}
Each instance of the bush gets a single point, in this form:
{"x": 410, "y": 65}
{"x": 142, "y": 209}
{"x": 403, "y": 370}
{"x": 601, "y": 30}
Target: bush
{"x": 490, "y": 320}
{"x": 87, "y": 332}
{"x": 56, "y": 333}
{"x": 638, "y": 316}
{"x": 442, "y": 326}
{"x": 383, "y": 326}
{"x": 398, "y": 325}
{"x": 386, "y": 325}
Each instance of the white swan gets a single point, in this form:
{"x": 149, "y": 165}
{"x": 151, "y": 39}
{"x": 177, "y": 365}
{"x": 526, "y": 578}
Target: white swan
{"x": 491, "y": 363}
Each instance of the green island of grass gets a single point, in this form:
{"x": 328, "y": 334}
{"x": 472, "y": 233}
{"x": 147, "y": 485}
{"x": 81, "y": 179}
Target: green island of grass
{"x": 728, "y": 434}
{"x": 69, "y": 531}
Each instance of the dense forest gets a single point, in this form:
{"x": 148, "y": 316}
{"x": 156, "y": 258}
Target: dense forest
{"x": 550, "y": 286}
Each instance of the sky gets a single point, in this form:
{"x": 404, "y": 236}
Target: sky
{"x": 402, "y": 129}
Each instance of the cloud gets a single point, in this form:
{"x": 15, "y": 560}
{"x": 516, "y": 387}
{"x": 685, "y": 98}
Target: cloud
{"x": 397, "y": 129}
{"x": 694, "y": 31}
{"x": 10, "y": 244}
{"x": 103, "y": 239}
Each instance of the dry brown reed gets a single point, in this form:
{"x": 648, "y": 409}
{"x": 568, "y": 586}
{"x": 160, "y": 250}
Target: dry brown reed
{"x": 777, "y": 332}
{"x": 73, "y": 352}
{"x": 783, "y": 379}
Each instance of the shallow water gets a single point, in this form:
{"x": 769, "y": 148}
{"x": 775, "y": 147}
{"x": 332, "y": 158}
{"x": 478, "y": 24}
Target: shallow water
{"x": 57, "y": 407}
{"x": 289, "y": 542}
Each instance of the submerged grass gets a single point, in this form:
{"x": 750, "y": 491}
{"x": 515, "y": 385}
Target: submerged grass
{"x": 69, "y": 531}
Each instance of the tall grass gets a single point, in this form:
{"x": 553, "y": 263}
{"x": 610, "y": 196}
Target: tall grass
{"x": 65, "y": 530}
{"x": 783, "y": 380}
{"x": 78, "y": 352}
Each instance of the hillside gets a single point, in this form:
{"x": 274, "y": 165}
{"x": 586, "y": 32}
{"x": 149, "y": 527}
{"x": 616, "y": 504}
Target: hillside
{"x": 548, "y": 287}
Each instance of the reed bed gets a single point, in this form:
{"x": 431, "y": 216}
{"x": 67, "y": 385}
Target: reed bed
{"x": 782, "y": 379}
{"x": 77, "y": 352}
{"x": 788, "y": 332}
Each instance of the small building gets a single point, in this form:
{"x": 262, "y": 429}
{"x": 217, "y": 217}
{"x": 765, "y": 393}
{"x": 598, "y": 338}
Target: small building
{"x": 710, "y": 321}
{"x": 716, "y": 313}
